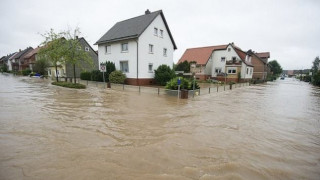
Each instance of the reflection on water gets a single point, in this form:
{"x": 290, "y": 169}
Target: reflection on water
{"x": 269, "y": 131}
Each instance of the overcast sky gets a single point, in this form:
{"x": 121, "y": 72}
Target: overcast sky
{"x": 288, "y": 29}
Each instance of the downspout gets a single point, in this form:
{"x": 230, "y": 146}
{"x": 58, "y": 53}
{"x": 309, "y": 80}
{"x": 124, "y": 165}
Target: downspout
{"x": 137, "y": 62}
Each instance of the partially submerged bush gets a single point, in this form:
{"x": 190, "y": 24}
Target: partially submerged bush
{"x": 26, "y": 72}
{"x": 85, "y": 76}
{"x": 117, "y": 77}
{"x": 69, "y": 85}
{"x": 185, "y": 84}
{"x": 163, "y": 74}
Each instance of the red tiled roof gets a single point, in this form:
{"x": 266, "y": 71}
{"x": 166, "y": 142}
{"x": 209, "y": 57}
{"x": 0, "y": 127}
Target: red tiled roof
{"x": 242, "y": 56}
{"x": 34, "y": 51}
{"x": 201, "y": 55}
{"x": 263, "y": 54}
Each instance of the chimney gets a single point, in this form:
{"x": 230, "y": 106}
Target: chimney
{"x": 232, "y": 43}
{"x": 147, "y": 12}
{"x": 19, "y": 50}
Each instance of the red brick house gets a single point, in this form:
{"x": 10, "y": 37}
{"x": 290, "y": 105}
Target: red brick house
{"x": 260, "y": 63}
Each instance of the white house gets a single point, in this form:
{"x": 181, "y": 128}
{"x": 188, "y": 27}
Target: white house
{"x": 138, "y": 46}
{"x": 214, "y": 61}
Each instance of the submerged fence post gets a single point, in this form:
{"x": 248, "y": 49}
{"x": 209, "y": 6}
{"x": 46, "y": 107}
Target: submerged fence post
{"x": 139, "y": 89}
{"x": 158, "y": 91}
{"x": 218, "y": 88}
{"x": 209, "y": 90}
{"x": 122, "y": 86}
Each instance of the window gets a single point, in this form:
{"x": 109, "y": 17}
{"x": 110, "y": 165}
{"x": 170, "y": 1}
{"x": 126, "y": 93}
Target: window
{"x": 108, "y": 49}
{"x": 124, "y": 67}
{"x": 150, "y": 67}
{"x": 49, "y": 72}
{"x": 164, "y": 51}
{"x": 223, "y": 59}
{"x": 150, "y": 48}
{"x": 229, "y": 49}
{"x": 86, "y": 48}
{"x": 232, "y": 71}
{"x": 161, "y": 33}
{"x": 247, "y": 70}
{"x": 124, "y": 47}
{"x": 156, "y": 31}
{"x": 251, "y": 71}
{"x": 234, "y": 58}
{"x": 218, "y": 70}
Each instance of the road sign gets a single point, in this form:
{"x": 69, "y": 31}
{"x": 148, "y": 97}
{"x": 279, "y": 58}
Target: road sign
{"x": 179, "y": 81}
{"x": 103, "y": 68}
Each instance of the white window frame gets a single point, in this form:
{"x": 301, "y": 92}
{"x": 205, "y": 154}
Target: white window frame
{"x": 232, "y": 71}
{"x": 108, "y": 47}
{"x": 223, "y": 59}
{"x": 150, "y": 65}
{"x": 229, "y": 49}
{"x": 161, "y": 33}
{"x": 247, "y": 71}
{"x": 151, "y": 49}
{"x": 165, "y": 51}
{"x": 121, "y": 66}
{"x": 218, "y": 69}
{"x": 86, "y": 48}
{"x": 155, "y": 31}
{"x": 122, "y": 47}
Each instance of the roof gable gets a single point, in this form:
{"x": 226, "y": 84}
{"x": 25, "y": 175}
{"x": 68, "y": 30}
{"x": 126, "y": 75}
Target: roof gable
{"x": 133, "y": 28}
{"x": 200, "y": 55}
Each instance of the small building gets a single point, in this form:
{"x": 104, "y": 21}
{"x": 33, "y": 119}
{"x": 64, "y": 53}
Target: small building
{"x": 260, "y": 63}
{"x": 138, "y": 46}
{"x": 17, "y": 62}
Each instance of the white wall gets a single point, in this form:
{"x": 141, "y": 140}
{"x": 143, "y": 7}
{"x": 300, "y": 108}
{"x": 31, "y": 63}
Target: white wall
{"x": 216, "y": 56}
{"x": 116, "y": 56}
{"x": 157, "y": 58}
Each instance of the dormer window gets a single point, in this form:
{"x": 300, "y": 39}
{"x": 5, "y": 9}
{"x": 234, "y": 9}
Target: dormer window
{"x": 155, "y": 31}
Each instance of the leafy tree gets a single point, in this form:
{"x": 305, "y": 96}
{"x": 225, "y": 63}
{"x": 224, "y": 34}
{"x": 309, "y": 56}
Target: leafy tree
{"x": 53, "y": 50}
{"x": 184, "y": 66}
{"x": 117, "y": 77}
{"x": 163, "y": 74}
{"x": 110, "y": 67}
{"x": 40, "y": 66}
{"x": 4, "y": 67}
{"x": 73, "y": 52}
{"x": 315, "y": 71}
{"x": 275, "y": 67}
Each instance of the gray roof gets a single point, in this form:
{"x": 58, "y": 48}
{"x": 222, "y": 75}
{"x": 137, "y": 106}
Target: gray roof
{"x": 132, "y": 28}
{"x": 23, "y": 52}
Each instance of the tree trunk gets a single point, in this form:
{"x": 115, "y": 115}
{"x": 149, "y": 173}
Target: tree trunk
{"x": 74, "y": 73}
{"x": 57, "y": 73}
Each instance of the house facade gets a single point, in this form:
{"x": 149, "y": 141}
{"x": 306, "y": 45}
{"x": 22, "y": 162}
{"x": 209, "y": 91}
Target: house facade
{"x": 31, "y": 57}
{"x": 215, "y": 62}
{"x": 138, "y": 46}
{"x": 260, "y": 63}
{"x": 17, "y": 62}
{"x": 66, "y": 69}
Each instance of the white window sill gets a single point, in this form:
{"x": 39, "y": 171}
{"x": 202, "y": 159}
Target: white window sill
{"x": 150, "y": 52}
{"x": 150, "y": 72}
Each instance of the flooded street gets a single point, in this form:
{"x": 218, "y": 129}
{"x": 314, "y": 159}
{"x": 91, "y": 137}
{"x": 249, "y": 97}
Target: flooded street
{"x": 268, "y": 131}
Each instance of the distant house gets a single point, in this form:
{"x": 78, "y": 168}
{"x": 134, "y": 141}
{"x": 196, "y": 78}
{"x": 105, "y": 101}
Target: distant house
{"x": 260, "y": 63}
{"x": 217, "y": 61}
{"x": 66, "y": 70}
{"x": 31, "y": 57}
{"x": 138, "y": 46}
{"x": 17, "y": 62}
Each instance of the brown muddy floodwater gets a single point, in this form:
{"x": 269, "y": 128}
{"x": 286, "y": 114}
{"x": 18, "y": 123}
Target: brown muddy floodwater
{"x": 268, "y": 131}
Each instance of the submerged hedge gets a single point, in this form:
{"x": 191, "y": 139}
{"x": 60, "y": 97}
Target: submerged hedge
{"x": 69, "y": 85}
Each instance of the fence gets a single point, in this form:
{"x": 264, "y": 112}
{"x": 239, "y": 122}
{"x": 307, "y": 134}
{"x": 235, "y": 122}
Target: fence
{"x": 213, "y": 88}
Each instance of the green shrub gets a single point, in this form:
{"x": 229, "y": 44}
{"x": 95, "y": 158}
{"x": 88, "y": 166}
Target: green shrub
{"x": 110, "y": 67}
{"x": 85, "y": 76}
{"x": 26, "y": 72}
{"x": 185, "y": 84}
{"x": 316, "y": 79}
{"x": 163, "y": 74}
{"x": 117, "y": 77}
{"x": 96, "y": 75}
{"x": 69, "y": 85}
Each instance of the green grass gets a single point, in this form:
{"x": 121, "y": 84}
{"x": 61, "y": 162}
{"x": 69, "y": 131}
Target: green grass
{"x": 69, "y": 85}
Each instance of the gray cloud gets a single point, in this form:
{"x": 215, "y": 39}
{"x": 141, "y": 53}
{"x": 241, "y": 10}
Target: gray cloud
{"x": 289, "y": 29}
